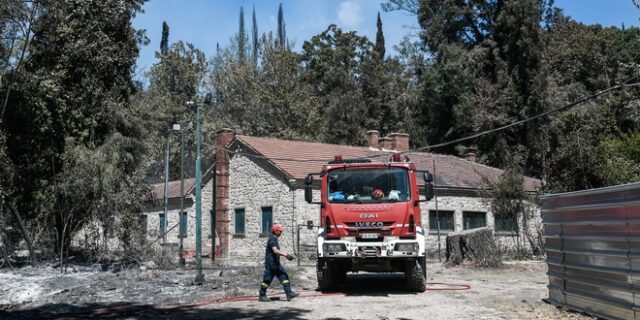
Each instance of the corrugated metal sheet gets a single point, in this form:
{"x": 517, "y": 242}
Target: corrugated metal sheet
{"x": 592, "y": 239}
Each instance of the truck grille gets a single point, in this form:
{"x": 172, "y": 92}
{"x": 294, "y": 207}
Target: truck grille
{"x": 369, "y": 251}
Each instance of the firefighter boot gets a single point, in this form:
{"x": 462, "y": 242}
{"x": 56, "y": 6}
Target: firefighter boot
{"x": 262, "y": 298}
{"x": 292, "y": 295}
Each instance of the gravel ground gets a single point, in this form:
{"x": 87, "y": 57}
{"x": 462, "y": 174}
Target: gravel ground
{"x": 512, "y": 292}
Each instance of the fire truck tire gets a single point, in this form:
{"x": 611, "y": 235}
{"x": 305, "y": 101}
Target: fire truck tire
{"x": 415, "y": 277}
{"x": 423, "y": 265}
{"x": 326, "y": 276}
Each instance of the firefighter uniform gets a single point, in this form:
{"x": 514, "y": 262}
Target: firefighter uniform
{"x": 273, "y": 268}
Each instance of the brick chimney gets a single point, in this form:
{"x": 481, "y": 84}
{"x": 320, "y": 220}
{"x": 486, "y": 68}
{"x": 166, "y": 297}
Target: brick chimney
{"x": 385, "y": 143}
{"x": 399, "y": 141}
{"x": 470, "y": 154}
{"x": 372, "y": 138}
{"x": 223, "y": 138}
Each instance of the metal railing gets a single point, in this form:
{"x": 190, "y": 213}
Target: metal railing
{"x": 592, "y": 240}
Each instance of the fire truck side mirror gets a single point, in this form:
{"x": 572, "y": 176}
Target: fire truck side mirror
{"x": 428, "y": 186}
{"x": 308, "y": 188}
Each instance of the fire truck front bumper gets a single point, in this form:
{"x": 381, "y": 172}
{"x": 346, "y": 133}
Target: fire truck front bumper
{"x": 346, "y": 248}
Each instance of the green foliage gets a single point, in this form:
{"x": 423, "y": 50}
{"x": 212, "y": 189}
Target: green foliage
{"x": 379, "y": 46}
{"x": 511, "y": 204}
{"x": 73, "y": 91}
{"x": 242, "y": 38}
{"x": 334, "y": 62}
{"x": 270, "y": 100}
{"x": 255, "y": 39}
{"x": 507, "y": 194}
{"x": 164, "y": 42}
{"x": 282, "y": 43}
{"x": 619, "y": 159}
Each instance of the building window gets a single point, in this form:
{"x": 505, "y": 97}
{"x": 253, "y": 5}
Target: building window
{"x": 163, "y": 225}
{"x": 474, "y": 219}
{"x": 183, "y": 225}
{"x": 144, "y": 223}
{"x": 445, "y": 217}
{"x": 111, "y": 229}
{"x": 239, "y": 222}
{"x": 267, "y": 220}
{"x": 506, "y": 224}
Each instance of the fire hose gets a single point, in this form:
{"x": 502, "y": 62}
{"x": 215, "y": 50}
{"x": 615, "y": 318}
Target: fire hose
{"x": 430, "y": 286}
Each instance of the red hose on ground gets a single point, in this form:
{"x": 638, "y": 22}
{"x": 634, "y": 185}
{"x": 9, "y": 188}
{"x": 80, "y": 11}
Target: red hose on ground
{"x": 447, "y": 286}
{"x": 440, "y": 286}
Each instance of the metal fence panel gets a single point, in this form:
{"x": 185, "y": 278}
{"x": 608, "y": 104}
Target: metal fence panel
{"x": 592, "y": 240}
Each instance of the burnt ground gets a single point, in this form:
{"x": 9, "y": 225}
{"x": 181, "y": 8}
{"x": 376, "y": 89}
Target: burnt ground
{"x": 514, "y": 291}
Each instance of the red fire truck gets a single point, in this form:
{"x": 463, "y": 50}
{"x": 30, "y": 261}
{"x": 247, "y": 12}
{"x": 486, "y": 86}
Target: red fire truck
{"x": 370, "y": 219}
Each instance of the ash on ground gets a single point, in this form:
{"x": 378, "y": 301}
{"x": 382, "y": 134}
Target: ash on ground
{"x": 48, "y": 290}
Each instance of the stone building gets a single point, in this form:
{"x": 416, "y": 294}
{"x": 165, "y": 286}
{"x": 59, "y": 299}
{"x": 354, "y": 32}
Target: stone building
{"x": 260, "y": 181}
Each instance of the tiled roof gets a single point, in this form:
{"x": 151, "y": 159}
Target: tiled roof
{"x": 298, "y": 158}
{"x": 173, "y": 188}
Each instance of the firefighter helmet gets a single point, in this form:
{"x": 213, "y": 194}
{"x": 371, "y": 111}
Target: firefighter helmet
{"x": 377, "y": 193}
{"x": 277, "y": 227}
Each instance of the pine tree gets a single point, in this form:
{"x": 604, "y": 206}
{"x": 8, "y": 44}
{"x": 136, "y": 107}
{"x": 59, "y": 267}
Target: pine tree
{"x": 242, "y": 38}
{"x": 164, "y": 43}
{"x": 254, "y": 34}
{"x": 282, "y": 32}
{"x": 379, "y": 47}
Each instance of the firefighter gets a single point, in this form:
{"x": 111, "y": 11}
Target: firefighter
{"x": 272, "y": 266}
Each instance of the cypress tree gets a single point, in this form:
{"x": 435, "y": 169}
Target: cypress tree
{"x": 379, "y": 47}
{"x": 164, "y": 43}
{"x": 254, "y": 34}
{"x": 242, "y": 38}
{"x": 282, "y": 32}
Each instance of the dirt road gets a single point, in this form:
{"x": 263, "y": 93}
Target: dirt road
{"x": 512, "y": 292}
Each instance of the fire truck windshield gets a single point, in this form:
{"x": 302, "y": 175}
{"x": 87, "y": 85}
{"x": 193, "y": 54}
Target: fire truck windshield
{"x": 365, "y": 185}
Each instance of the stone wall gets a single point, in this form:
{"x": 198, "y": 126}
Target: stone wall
{"x": 171, "y": 237}
{"x": 507, "y": 241}
{"x": 252, "y": 188}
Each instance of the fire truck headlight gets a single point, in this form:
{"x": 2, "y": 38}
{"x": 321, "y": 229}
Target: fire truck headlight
{"x": 334, "y": 247}
{"x": 407, "y": 246}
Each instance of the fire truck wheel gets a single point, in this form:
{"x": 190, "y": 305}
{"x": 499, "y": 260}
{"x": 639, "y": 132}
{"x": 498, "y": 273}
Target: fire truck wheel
{"x": 423, "y": 265}
{"x": 326, "y": 276}
{"x": 415, "y": 277}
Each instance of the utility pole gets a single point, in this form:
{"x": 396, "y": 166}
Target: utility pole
{"x": 181, "y": 233}
{"x": 437, "y": 213}
{"x": 199, "y": 276}
{"x": 164, "y": 222}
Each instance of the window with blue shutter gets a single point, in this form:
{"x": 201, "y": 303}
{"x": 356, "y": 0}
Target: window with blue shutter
{"x": 144, "y": 223}
{"x": 267, "y": 220}
{"x": 239, "y": 222}
{"x": 112, "y": 229}
{"x": 183, "y": 225}
{"x": 163, "y": 225}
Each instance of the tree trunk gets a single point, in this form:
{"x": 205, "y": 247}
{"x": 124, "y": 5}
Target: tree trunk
{"x": 23, "y": 230}
{"x": 476, "y": 245}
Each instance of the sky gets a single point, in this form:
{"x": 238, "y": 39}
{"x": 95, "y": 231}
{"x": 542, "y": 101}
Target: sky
{"x": 207, "y": 22}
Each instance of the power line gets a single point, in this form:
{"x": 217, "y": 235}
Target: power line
{"x": 625, "y": 84}
{"x": 473, "y": 136}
